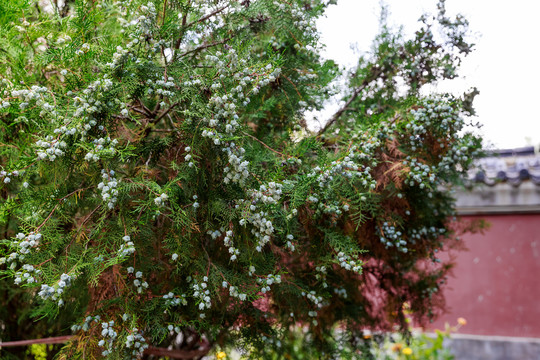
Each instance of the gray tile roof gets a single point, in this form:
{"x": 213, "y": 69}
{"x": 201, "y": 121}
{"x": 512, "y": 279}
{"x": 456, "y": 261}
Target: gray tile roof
{"x": 512, "y": 166}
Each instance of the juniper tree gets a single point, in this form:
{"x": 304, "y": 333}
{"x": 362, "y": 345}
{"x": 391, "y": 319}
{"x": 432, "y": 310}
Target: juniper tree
{"x": 159, "y": 177}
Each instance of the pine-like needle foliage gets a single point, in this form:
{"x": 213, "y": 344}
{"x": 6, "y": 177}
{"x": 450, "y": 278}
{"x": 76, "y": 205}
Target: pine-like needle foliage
{"x": 158, "y": 177}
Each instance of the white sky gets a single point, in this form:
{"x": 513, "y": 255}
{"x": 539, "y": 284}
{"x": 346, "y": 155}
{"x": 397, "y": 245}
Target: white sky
{"x": 505, "y": 65}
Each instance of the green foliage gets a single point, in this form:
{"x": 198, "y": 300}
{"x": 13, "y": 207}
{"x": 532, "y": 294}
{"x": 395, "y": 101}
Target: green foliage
{"x": 159, "y": 177}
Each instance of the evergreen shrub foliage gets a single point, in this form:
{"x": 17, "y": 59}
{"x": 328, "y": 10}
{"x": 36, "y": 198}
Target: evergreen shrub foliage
{"x": 159, "y": 177}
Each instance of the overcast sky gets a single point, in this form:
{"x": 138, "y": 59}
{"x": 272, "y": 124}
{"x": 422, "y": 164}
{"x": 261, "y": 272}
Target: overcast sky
{"x": 505, "y": 66}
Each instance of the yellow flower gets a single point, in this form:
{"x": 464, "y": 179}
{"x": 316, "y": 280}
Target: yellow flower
{"x": 221, "y": 355}
{"x": 461, "y": 321}
{"x": 407, "y": 351}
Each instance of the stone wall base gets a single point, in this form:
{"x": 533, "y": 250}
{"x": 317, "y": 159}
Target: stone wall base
{"x": 475, "y": 347}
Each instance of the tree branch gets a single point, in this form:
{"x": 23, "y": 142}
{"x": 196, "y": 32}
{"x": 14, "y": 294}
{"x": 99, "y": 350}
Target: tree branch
{"x": 165, "y": 112}
{"x": 263, "y": 144}
{"x": 215, "y": 12}
{"x": 51, "y": 340}
{"x": 353, "y": 97}
{"x": 202, "y": 47}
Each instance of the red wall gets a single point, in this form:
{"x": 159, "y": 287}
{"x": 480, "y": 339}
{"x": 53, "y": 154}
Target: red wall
{"x": 496, "y": 283}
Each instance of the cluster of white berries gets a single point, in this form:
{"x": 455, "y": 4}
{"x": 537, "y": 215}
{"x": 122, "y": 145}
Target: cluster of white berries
{"x": 26, "y": 242}
{"x": 174, "y": 329}
{"x": 341, "y": 292}
{"x": 188, "y": 159}
{"x": 271, "y": 341}
{"x": 120, "y": 55}
{"x": 392, "y": 237}
{"x": 267, "y": 194}
{"x": 458, "y": 152}
{"x": 22, "y": 29}
{"x": 370, "y": 144}
{"x": 50, "y": 148}
{"x": 127, "y": 248}
{"x": 431, "y": 233}
{"x": 161, "y": 87}
{"x": 227, "y": 240}
{"x": 100, "y": 148}
{"x": 267, "y": 281}
{"x": 35, "y": 93}
{"x": 306, "y": 75}
{"x": 313, "y": 314}
{"x": 11, "y": 258}
{"x": 26, "y": 274}
{"x": 136, "y": 341}
{"x": 438, "y": 118}
{"x": 292, "y": 214}
{"x": 145, "y": 22}
{"x": 90, "y": 101}
{"x": 289, "y": 243}
{"x": 109, "y": 336}
{"x": 63, "y": 39}
{"x": 86, "y": 324}
{"x": 233, "y": 291}
{"x": 262, "y": 228}
{"x": 237, "y": 170}
{"x": 202, "y": 294}
{"x": 84, "y": 49}
{"x": 315, "y": 299}
{"x": 304, "y": 23}
{"x": 55, "y": 292}
{"x": 346, "y": 262}
{"x": 173, "y": 300}
{"x": 419, "y": 173}
{"x": 334, "y": 207}
{"x": 65, "y": 130}
{"x": 215, "y": 136}
{"x": 436, "y": 112}
{"x": 345, "y": 168}
{"x": 225, "y": 118}
{"x": 161, "y": 199}
{"x": 8, "y": 175}
{"x": 140, "y": 286}
{"x": 321, "y": 275}
{"x": 108, "y": 189}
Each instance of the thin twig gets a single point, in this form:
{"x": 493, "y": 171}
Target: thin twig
{"x": 263, "y": 144}
{"x": 165, "y": 112}
{"x": 215, "y": 12}
{"x": 345, "y": 107}
{"x": 51, "y": 340}
{"x": 184, "y": 20}
{"x": 59, "y": 201}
